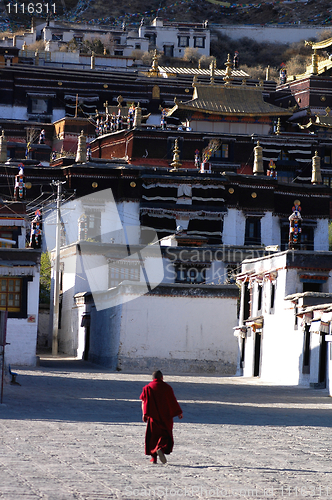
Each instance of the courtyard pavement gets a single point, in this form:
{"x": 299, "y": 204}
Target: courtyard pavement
{"x": 73, "y": 431}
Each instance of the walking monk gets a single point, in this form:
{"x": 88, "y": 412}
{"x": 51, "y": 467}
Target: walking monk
{"x": 159, "y": 406}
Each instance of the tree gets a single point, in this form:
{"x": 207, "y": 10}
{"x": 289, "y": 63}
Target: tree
{"x": 45, "y": 279}
{"x": 191, "y": 55}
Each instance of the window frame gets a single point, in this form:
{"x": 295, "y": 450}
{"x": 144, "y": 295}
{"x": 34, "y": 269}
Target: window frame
{"x": 198, "y": 45}
{"x": 23, "y": 310}
{"x": 183, "y": 40}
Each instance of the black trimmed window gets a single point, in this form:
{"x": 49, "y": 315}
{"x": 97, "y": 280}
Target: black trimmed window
{"x": 199, "y": 42}
{"x": 189, "y": 274}
{"x": 253, "y": 231}
{"x": 57, "y": 37}
{"x": 183, "y": 41}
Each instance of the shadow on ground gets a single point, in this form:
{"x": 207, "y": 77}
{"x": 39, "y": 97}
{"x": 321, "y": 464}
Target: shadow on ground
{"x": 71, "y": 390}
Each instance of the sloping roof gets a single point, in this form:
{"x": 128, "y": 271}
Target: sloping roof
{"x": 229, "y": 100}
{"x": 236, "y": 73}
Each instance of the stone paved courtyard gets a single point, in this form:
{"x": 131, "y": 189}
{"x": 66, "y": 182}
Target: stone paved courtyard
{"x": 74, "y": 431}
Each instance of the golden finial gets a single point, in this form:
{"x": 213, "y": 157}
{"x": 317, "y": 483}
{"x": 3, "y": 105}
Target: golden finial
{"x": 176, "y": 164}
{"x": 154, "y": 67}
{"x": 212, "y": 72}
{"x": 195, "y": 81}
{"x": 228, "y": 76}
{"x": 327, "y": 111}
{"x": 314, "y": 69}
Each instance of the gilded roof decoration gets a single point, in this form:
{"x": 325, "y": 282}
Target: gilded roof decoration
{"x": 229, "y": 100}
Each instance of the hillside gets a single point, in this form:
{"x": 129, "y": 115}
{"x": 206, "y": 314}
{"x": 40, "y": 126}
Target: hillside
{"x": 216, "y": 11}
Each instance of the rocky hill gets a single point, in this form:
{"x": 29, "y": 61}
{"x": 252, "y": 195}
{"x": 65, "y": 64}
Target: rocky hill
{"x": 216, "y": 11}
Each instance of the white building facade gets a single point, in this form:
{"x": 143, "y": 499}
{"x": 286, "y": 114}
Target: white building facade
{"x": 276, "y": 340}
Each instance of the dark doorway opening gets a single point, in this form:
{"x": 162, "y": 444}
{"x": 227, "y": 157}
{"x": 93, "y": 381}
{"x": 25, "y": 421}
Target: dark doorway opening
{"x": 86, "y": 324}
{"x": 322, "y": 361}
{"x": 257, "y": 354}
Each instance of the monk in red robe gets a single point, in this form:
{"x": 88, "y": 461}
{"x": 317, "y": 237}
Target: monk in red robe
{"x": 159, "y": 406}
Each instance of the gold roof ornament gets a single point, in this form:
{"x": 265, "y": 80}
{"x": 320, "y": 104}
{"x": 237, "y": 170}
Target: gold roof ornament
{"x": 228, "y": 77}
{"x": 212, "y": 71}
{"x": 176, "y": 164}
{"x": 314, "y": 63}
{"x": 316, "y": 176}
{"x": 154, "y": 68}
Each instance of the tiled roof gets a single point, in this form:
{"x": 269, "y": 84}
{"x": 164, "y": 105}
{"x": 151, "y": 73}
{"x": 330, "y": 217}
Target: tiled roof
{"x": 230, "y": 100}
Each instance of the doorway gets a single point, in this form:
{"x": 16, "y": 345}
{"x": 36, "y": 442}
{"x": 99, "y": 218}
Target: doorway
{"x": 257, "y": 352}
{"x": 86, "y": 324}
{"x": 322, "y": 361}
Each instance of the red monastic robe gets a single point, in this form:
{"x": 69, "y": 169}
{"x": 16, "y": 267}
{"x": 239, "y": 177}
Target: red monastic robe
{"x": 160, "y": 406}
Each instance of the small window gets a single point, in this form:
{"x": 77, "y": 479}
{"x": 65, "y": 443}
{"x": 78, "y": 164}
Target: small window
{"x": 312, "y": 287}
{"x": 253, "y": 231}
{"x": 57, "y": 37}
{"x": 117, "y": 274}
{"x": 183, "y": 41}
{"x": 137, "y": 46}
{"x": 186, "y": 274}
{"x": 10, "y": 294}
{"x": 39, "y": 106}
{"x": 199, "y": 42}
{"x": 224, "y": 150}
{"x": 118, "y": 52}
{"x": 6, "y": 236}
